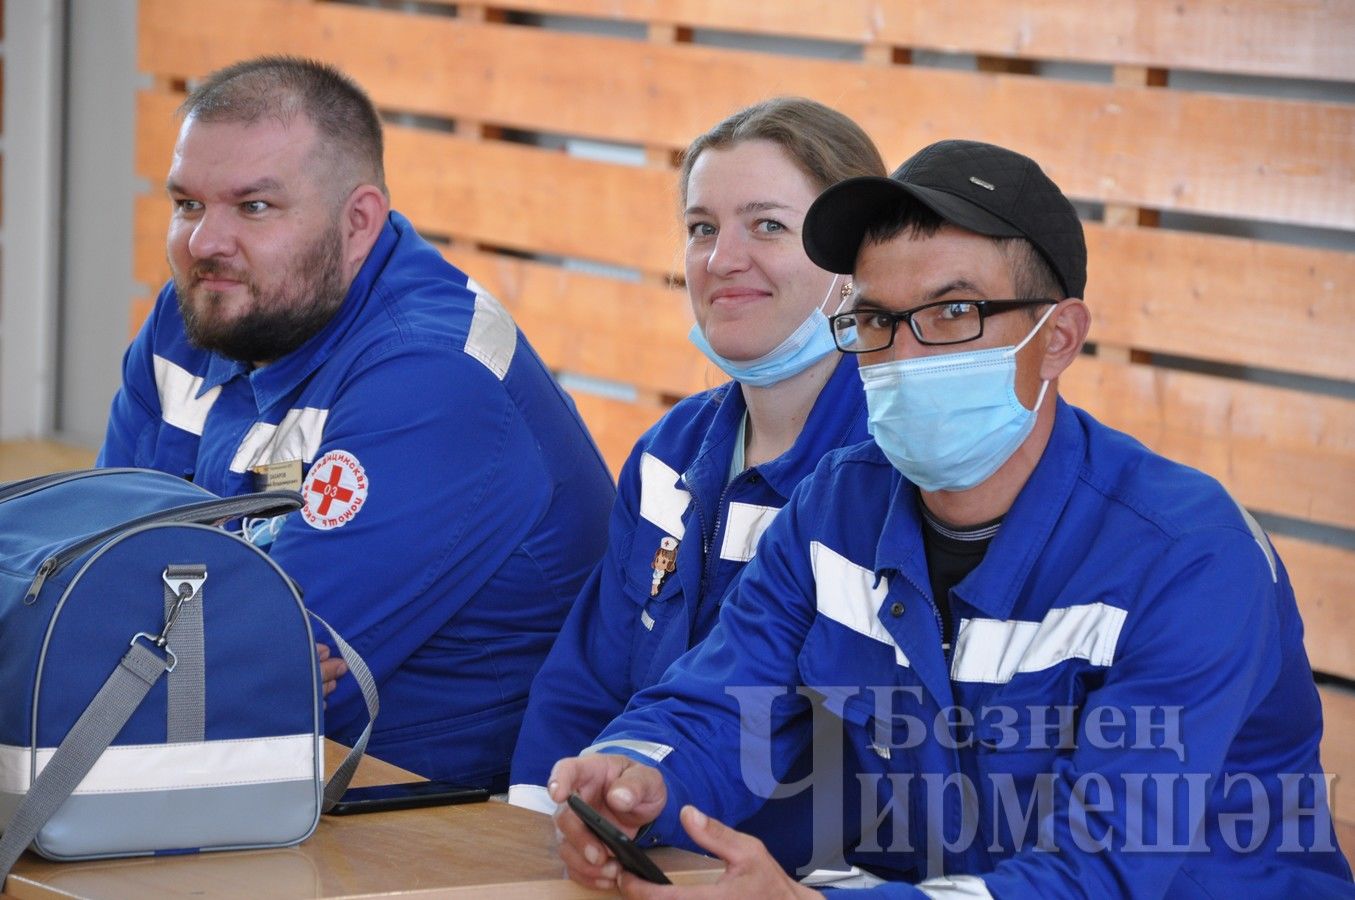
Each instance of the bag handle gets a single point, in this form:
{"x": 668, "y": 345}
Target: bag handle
{"x": 338, "y": 783}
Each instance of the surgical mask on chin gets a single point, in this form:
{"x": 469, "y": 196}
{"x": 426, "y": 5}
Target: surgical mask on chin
{"x": 949, "y": 422}
{"x": 806, "y": 345}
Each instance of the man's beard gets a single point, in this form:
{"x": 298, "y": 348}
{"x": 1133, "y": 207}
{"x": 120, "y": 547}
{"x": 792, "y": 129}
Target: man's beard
{"x": 276, "y": 323}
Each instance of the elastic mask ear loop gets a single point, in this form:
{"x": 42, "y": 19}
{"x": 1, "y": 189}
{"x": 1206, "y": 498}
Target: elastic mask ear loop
{"x": 1044, "y": 386}
{"x": 1044, "y": 382}
{"x": 1034, "y": 331}
{"x": 828, "y": 298}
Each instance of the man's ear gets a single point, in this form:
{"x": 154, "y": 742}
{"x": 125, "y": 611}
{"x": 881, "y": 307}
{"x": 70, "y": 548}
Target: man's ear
{"x": 1068, "y": 327}
{"x": 360, "y": 222}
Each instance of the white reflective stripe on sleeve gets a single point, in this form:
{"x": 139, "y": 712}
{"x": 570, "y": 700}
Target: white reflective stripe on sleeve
{"x": 847, "y": 594}
{"x": 531, "y": 796}
{"x": 852, "y": 878}
{"x": 991, "y": 651}
{"x": 180, "y": 404}
{"x": 656, "y": 752}
{"x": 662, "y": 502}
{"x": 167, "y": 767}
{"x": 493, "y": 336}
{"x": 297, "y": 437}
{"x": 956, "y": 887}
{"x": 744, "y": 524}
{"x": 1262, "y": 540}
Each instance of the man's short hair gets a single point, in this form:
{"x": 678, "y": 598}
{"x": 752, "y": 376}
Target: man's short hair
{"x": 1032, "y": 276}
{"x": 282, "y": 87}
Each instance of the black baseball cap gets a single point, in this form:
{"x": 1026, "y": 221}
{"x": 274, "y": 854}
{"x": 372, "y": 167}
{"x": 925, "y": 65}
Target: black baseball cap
{"x": 980, "y": 187}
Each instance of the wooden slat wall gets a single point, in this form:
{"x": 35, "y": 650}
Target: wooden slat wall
{"x": 1300, "y": 38}
{"x": 1280, "y": 312}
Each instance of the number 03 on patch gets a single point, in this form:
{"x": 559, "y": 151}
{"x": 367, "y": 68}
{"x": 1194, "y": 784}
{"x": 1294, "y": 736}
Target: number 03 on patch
{"x": 335, "y": 489}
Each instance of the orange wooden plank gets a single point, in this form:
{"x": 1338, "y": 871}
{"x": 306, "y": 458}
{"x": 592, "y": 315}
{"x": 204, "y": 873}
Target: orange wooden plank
{"x": 136, "y": 317}
{"x": 1298, "y": 38}
{"x": 1324, "y": 583}
{"x": 1249, "y": 303}
{"x": 1276, "y": 450}
{"x": 156, "y": 131}
{"x": 524, "y": 198}
{"x": 149, "y": 226}
{"x": 1281, "y": 160}
{"x": 616, "y": 425}
{"x": 1338, "y": 751}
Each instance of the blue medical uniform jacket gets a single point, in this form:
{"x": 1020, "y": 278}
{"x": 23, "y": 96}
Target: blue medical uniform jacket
{"x": 455, "y": 501}
{"x": 1128, "y": 710}
{"x": 676, "y": 484}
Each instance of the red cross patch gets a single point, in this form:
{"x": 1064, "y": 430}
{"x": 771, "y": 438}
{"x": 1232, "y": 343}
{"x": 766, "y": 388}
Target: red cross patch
{"x": 335, "y": 489}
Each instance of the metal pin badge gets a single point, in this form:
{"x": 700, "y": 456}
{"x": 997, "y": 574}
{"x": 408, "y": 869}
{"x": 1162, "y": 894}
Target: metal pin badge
{"x": 665, "y": 561}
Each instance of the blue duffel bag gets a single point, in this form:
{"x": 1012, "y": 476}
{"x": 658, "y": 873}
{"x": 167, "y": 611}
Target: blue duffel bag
{"x": 159, "y": 689}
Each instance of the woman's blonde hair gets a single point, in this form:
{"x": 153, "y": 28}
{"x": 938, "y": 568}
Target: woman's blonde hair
{"x": 826, "y": 145}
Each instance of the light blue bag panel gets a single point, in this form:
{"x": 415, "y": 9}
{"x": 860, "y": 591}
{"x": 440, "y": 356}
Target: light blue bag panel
{"x": 234, "y": 817}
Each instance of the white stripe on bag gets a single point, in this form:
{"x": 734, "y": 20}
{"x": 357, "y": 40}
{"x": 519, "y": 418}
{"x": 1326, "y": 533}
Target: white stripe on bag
{"x": 847, "y": 594}
{"x": 662, "y": 502}
{"x": 991, "y": 651}
{"x": 297, "y": 437}
{"x": 744, "y": 524}
{"x": 180, "y": 404}
{"x": 167, "y": 767}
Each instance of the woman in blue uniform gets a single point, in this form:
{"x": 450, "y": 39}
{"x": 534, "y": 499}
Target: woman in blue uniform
{"x": 703, "y": 483}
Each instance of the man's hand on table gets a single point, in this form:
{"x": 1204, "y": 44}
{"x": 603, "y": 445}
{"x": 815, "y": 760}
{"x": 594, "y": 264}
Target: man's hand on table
{"x": 628, "y": 793}
{"x": 750, "y": 870}
{"x": 632, "y": 795}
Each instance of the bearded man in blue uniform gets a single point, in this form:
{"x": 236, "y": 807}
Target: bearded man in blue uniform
{"x": 311, "y": 340}
{"x": 1067, "y": 667}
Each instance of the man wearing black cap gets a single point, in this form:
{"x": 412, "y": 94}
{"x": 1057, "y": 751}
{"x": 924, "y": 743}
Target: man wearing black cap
{"x": 1067, "y": 666}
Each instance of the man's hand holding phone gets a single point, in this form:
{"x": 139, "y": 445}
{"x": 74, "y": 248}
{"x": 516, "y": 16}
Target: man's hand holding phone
{"x": 627, "y": 793}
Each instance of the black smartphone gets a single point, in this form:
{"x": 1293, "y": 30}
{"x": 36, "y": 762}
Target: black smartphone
{"x": 405, "y": 796}
{"x": 631, "y": 857}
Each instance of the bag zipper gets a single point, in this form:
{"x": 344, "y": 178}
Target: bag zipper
{"x": 205, "y": 512}
{"x": 28, "y": 485}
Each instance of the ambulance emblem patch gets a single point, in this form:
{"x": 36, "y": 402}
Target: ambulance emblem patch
{"x": 335, "y": 489}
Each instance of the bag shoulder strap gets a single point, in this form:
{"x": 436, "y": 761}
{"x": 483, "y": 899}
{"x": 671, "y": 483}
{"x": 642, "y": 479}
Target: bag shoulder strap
{"x": 338, "y": 783}
{"x": 136, "y": 673}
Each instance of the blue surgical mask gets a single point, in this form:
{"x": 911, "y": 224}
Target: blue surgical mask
{"x": 949, "y": 422}
{"x": 806, "y": 345}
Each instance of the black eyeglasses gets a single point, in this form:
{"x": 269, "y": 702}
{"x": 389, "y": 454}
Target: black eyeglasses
{"x": 943, "y": 322}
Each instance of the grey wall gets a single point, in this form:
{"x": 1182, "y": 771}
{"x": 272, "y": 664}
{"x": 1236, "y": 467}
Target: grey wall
{"x": 96, "y": 213}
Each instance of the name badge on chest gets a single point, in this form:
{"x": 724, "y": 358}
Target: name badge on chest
{"x": 278, "y": 476}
